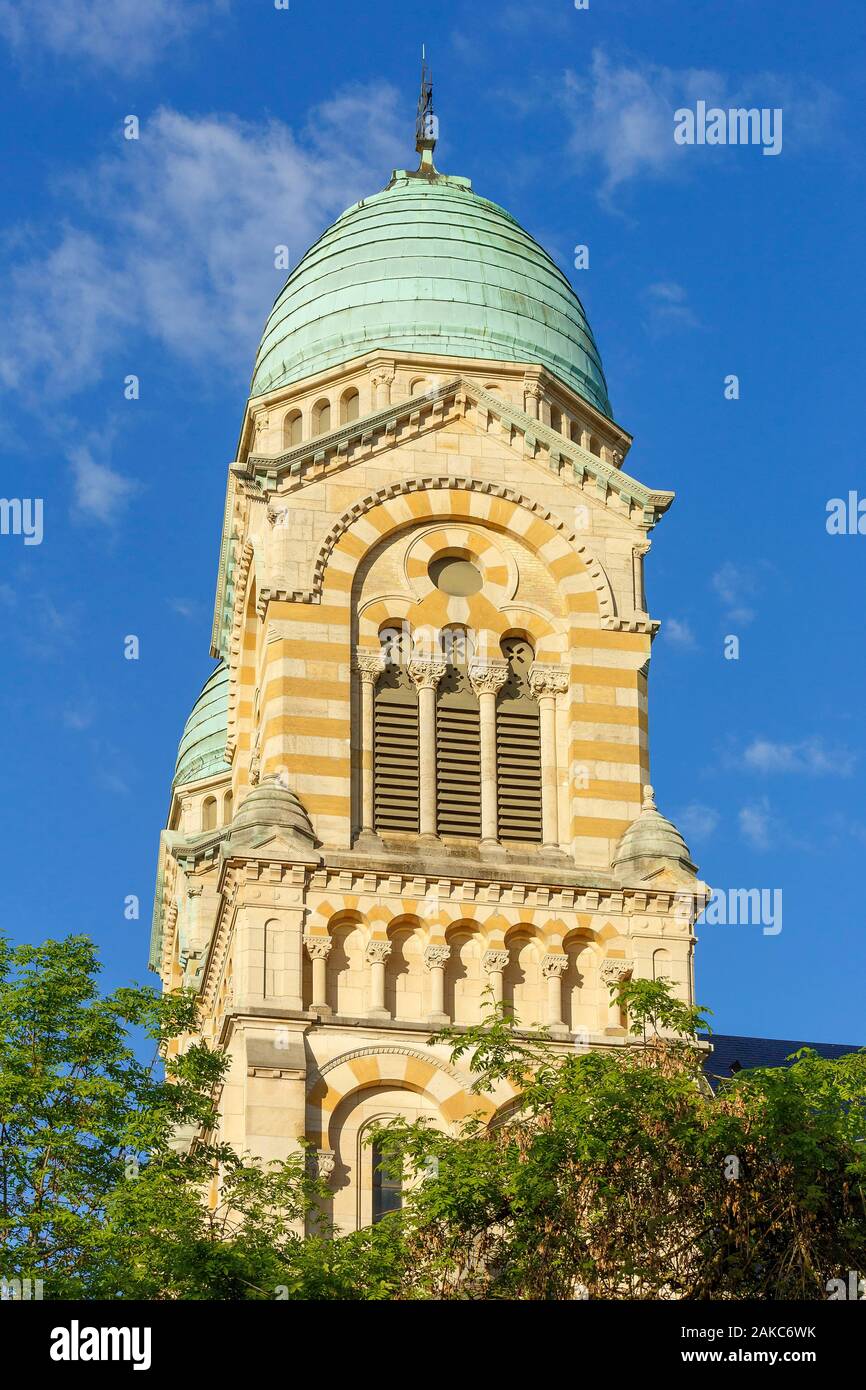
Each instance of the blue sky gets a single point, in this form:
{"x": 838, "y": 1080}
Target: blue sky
{"x": 155, "y": 257}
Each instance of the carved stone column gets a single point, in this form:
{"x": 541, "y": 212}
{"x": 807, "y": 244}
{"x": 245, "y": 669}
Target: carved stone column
{"x": 426, "y": 672}
{"x": 487, "y": 679}
{"x": 435, "y": 959}
{"x": 546, "y": 682}
{"x": 612, "y": 971}
{"x": 638, "y": 553}
{"x": 383, "y": 380}
{"x": 553, "y": 967}
{"x": 533, "y": 394}
{"x": 376, "y": 954}
{"x": 318, "y": 949}
{"x": 494, "y": 963}
{"x": 369, "y": 665}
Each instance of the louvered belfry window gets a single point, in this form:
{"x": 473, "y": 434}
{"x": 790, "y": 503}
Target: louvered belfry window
{"x": 458, "y": 744}
{"x": 396, "y": 762}
{"x": 395, "y": 751}
{"x": 518, "y": 749}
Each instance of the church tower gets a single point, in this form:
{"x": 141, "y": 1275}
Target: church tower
{"x": 419, "y": 770}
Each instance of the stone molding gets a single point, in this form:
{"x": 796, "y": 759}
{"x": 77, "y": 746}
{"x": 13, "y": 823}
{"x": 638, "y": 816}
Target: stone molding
{"x": 613, "y": 971}
{"x": 436, "y": 957}
{"x": 487, "y": 677}
{"x": 425, "y": 672}
{"x": 324, "y": 1162}
{"x": 554, "y": 964}
{"x": 547, "y": 679}
{"x": 369, "y": 664}
{"x": 601, "y": 583}
{"x": 398, "y": 1049}
{"x": 318, "y": 947}
{"x": 494, "y": 961}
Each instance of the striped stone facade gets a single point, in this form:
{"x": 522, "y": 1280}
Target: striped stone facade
{"x": 325, "y": 951}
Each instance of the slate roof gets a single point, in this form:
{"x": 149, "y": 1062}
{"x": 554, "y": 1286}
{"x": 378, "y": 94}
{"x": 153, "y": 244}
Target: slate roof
{"x": 729, "y": 1050}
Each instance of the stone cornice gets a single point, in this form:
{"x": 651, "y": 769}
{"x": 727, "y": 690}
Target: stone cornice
{"x": 460, "y": 395}
{"x": 458, "y": 398}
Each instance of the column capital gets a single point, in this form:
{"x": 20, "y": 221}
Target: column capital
{"x": 324, "y": 1162}
{"x": 426, "y": 672}
{"x": 612, "y": 971}
{"x": 377, "y": 952}
{"x": 317, "y": 947}
{"x": 369, "y": 664}
{"x": 487, "y": 677}
{"x": 554, "y": 964}
{"x": 494, "y": 962}
{"x": 435, "y": 957}
{"x": 545, "y": 679}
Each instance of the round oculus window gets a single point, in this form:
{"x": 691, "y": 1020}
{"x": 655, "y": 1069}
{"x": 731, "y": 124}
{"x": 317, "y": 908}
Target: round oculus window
{"x": 457, "y": 577}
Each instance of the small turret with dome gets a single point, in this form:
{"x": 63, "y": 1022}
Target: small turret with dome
{"x": 651, "y": 842}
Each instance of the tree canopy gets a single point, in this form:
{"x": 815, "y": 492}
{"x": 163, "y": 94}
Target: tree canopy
{"x": 614, "y": 1174}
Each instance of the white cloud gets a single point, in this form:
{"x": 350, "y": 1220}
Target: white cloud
{"x": 101, "y": 494}
{"x": 757, "y": 825}
{"x": 697, "y": 821}
{"x": 678, "y": 632}
{"x": 187, "y": 221}
{"x": 121, "y": 34}
{"x": 67, "y": 309}
{"x": 734, "y": 585}
{"x": 810, "y": 756}
{"x": 622, "y": 114}
{"x": 79, "y": 717}
{"x": 184, "y": 607}
{"x": 668, "y": 307}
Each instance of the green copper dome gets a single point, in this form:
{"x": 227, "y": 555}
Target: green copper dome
{"x": 427, "y": 266}
{"x": 202, "y": 747}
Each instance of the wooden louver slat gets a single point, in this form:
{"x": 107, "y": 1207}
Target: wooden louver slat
{"x": 458, "y": 771}
{"x": 518, "y": 758}
{"x": 395, "y": 765}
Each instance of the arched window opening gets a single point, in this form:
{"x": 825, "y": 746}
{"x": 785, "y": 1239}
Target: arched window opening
{"x": 209, "y": 813}
{"x": 594, "y": 446}
{"x": 518, "y": 748}
{"x": 523, "y": 989}
{"x": 387, "y": 1189}
{"x": 321, "y": 417}
{"x": 419, "y": 386}
{"x": 228, "y": 808}
{"x": 458, "y": 740}
{"x": 556, "y": 419}
{"x": 458, "y": 644}
{"x": 350, "y": 407}
{"x": 293, "y": 429}
{"x": 396, "y": 643}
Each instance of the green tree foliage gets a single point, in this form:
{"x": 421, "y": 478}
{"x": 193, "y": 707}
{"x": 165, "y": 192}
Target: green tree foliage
{"x": 96, "y": 1198}
{"x": 613, "y": 1174}
{"x": 617, "y": 1175}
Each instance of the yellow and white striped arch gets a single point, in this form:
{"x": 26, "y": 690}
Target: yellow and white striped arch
{"x": 580, "y": 579}
{"x": 403, "y": 1067}
{"x": 436, "y": 919}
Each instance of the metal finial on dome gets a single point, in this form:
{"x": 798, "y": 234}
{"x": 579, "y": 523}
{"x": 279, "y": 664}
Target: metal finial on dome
{"x": 649, "y": 798}
{"x": 426, "y": 123}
